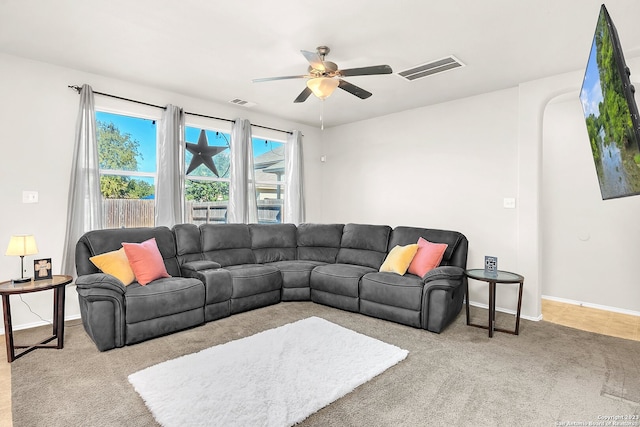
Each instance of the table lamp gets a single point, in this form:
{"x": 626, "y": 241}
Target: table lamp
{"x": 21, "y": 245}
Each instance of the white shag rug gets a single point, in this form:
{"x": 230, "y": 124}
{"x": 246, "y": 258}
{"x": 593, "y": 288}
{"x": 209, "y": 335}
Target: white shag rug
{"x": 274, "y": 378}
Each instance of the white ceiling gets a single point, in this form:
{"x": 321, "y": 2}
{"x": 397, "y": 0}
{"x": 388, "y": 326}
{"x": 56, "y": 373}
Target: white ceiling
{"x": 212, "y": 49}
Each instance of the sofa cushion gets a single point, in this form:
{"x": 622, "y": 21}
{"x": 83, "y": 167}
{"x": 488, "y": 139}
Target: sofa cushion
{"x": 188, "y": 246}
{"x": 116, "y": 264}
{"x": 163, "y": 297}
{"x": 295, "y": 274}
{"x": 253, "y": 279}
{"x": 145, "y": 260}
{"x": 100, "y": 241}
{"x": 319, "y": 242}
{"x": 392, "y": 297}
{"x": 399, "y": 258}
{"x": 273, "y": 242}
{"x": 340, "y": 279}
{"x": 393, "y": 290}
{"x": 227, "y": 244}
{"x": 456, "y": 253}
{"x": 364, "y": 245}
{"x": 428, "y": 257}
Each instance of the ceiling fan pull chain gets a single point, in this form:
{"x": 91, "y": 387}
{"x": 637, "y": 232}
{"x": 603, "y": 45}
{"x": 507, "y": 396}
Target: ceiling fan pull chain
{"x": 322, "y": 114}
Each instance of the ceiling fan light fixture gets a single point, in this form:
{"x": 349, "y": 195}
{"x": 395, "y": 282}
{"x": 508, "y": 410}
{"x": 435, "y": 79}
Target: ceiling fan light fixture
{"x": 322, "y": 87}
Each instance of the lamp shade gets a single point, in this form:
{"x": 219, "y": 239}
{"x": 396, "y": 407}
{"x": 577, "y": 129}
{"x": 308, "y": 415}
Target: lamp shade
{"x": 21, "y": 245}
{"x": 322, "y": 87}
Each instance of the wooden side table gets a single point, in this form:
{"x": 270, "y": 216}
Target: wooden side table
{"x": 500, "y": 277}
{"x": 58, "y": 284}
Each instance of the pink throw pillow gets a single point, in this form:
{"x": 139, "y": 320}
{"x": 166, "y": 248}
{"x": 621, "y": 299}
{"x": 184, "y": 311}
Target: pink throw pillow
{"x": 427, "y": 258}
{"x": 146, "y": 261}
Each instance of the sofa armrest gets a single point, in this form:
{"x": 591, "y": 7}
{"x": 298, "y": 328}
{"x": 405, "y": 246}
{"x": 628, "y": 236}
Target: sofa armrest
{"x": 442, "y": 296}
{"x": 102, "y": 307}
{"x": 100, "y": 280}
{"x": 194, "y": 266}
{"x": 217, "y": 281}
{"x": 448, "y": 273}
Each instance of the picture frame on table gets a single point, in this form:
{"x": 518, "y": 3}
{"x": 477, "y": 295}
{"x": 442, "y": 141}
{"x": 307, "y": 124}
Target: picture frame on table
{"x": 491, "y": 266}
{"x": 42, "y": 269}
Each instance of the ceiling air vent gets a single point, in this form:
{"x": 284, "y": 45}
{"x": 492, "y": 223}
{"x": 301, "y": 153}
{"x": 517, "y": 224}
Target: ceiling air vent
{"x": 430, "y": 68}
{"x": 242, "y": 103}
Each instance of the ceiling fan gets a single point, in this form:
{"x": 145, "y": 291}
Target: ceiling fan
{"x": 325, "y": 76}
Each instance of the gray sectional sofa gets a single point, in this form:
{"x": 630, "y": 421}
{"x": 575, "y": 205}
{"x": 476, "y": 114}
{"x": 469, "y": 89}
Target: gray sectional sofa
{"x": 221, "y": 269}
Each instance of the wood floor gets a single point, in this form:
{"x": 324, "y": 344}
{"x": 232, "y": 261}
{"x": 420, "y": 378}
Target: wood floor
{"x": 5, "y": 389}
{"x": 592, "y": 319}
{"x": 588, "y": 319}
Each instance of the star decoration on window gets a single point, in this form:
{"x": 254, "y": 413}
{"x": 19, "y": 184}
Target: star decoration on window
{"x": 203, "y": 154}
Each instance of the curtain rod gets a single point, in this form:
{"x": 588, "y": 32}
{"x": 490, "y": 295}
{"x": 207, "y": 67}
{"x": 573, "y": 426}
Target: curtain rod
{"x": 78, "y": 88}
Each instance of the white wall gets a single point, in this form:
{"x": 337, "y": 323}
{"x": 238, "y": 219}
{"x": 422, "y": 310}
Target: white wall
{"x": 37, "y": 122}
{"x": 561, "y": 267}
{"x": 447, "y": 166}
{"x": 450, "y": 166}
{"x": 590, "y": 246}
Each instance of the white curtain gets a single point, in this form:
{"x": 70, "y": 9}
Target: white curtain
{"x": 84, "y": 207}
{"x": 294, "y": 179}
{"x": 243, "y": 207}
{"x": 169, "y": 198}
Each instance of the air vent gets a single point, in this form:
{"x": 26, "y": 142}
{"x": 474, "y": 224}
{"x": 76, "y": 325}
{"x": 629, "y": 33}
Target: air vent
{"x": 243, "y": 103}
{"x": 431, "y": 68}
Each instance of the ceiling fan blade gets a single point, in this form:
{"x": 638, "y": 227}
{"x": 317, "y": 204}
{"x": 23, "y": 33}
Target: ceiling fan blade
{"x": 314, "y": 59}
{"x": 354, "y": 90}
{"x": 269, "y": 79}
{"x": 366, "y": 71}
{"x": 303, "y": 95}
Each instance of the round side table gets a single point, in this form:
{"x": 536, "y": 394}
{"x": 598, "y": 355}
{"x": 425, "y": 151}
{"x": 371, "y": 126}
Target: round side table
{"x": 492, "y": 279}
{"x": 58, "y": 284}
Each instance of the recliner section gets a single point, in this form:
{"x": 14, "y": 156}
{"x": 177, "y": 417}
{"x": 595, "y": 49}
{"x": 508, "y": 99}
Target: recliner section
{"x": 362, "y": 250}
{"x": 222, "y": 269}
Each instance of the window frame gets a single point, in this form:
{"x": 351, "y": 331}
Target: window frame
{"x": 108, "y": 105}
{"x": 206, "y": 124}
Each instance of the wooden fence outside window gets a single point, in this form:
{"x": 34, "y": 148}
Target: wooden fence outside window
{"x": 119, "y": 213}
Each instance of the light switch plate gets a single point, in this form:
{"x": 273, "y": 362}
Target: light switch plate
{"x": 509, "y": 203}
{"x": 29, "y": 197}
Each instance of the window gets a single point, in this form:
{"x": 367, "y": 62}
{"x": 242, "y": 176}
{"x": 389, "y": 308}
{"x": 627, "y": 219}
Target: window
{"x": 268, "y": 163}
{"x": 127, "y": 157}
{"x": 207, "y": 188}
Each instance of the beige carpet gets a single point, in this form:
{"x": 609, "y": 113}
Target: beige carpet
{"x": 548, "y": 374}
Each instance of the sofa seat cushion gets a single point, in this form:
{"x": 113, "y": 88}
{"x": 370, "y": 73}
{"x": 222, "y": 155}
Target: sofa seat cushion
{"x": 296, "y": 274}
{"x": 339, "y": 279}
{"x": 392, "y": 290}
{"x": 163, "y": 297}
{"x": 253, "y": 279}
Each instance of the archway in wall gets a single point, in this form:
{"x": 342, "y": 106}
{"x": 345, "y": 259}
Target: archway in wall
{"x": 588, "y": 246}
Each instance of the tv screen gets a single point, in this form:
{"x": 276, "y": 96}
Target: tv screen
{"x": 611, "y": 114}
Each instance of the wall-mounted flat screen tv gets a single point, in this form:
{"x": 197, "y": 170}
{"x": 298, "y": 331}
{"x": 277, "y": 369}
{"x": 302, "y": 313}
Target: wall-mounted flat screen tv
{"x": 611, "y": 113}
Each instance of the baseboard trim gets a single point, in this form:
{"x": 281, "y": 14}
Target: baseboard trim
{"x": 590, "y": 305}
{"x": 474, "y": 304}
{"x": 39, "y": 323}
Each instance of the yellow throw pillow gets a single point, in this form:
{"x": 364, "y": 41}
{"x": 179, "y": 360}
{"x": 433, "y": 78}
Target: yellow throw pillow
{"x": 116, "y": 264}
{"x": 399, "y": 258}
